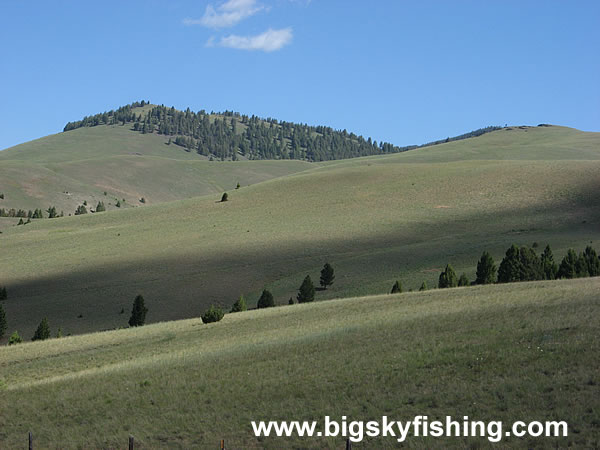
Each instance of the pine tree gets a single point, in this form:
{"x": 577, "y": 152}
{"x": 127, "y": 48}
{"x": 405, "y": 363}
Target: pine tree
{"x": 306, "y": 293}
{"x": 2, "y": 321}
{"x": 510, "y": 267}
{"x": 463, "y": 280}
{"x": 238, "y": 186}
{"x": 14, "y": 339}
{"x": 21, "y": 221}
{"x": 138, "y": 312}
{"x": 548, "y": 265}
{"x": 581, "y": 268}
{"x": 448, "y": 278}
{"x": 486, "y": 269}
{"x": 567, "y": 267}
{"x": 225, "y": 197}
{"x": 239, "y": 305}
{"x": 42, "y": 332}
{"x": 100, "y": 207}
{"x": 266, "y": 300}
{"x": 423, "y": 286}
{"x": 81, "y": 209}
{"x": 52, "y": 212}
{"x": 291, "y": 301}
{"x": 592, "y": 261}
{"x": 3, "y": 293}
{"x": 327, "y": 276}
{"x": 396, "y": 288}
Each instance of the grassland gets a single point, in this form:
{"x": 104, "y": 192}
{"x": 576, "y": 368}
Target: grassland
{"x": 526, "y": 351}
{"x": 374, "y": 219}
{"x": 67, "y": 168}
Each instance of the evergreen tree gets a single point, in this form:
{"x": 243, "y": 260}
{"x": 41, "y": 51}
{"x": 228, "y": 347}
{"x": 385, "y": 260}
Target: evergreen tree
{"x": 212, "y": 314}
{"x": 266, "y": 300}
{"x": 568, "y": 264}
{"x": 81, "y": 209}
{"x": 52, "y": 212}
{"x": 327, "y": 276}
{"x": 14, "y": 339}
{"x": 59, "y": 333}
{"x": 581, "y": 268}
{"x": 225, "y": 197}
{"x": 291, "y": 301}
{"x": 118, "y": 204}
{"x": 463, "y": 280}
{"x": 138, "y": 312}
{"x": 42, "y": 332}
{"x": 3, "y": 293}
{"x": 510, "y": 267}
{"x": 306, "y": 293}
{"x": 2, "y": 321}
{"x": 486, "y": 269}
{"x": 448, "y": 278}
{"x": 592, "y": 261}
{"x": 100, "y": 207}
{"x": 396, "y": 288}
{"x": 239, "y": 305}
{"x": 423, "y": 286}
{"x": 21, "y": 222}
{"x": 548, "y": 265}
{"x": 531, "y": 265}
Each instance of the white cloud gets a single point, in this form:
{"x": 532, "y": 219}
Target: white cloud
{"x": 226, "y": 14}
{"x": 268, "y": 41}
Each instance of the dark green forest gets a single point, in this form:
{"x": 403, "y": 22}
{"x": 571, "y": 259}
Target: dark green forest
{"x": 230, "y": 135}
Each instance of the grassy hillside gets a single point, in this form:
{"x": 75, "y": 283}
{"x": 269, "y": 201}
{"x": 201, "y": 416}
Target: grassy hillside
{"x": 67, "y": 168}
{"x": 375, "y": 220}
{"x": 526, "y": 351}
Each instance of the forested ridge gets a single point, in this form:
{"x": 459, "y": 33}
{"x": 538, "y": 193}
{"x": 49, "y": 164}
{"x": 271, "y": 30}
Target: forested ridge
{"x": 231, "y": 135}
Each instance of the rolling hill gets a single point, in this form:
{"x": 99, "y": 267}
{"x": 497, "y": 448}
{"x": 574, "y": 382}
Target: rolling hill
{"x": 523, "y": 351}
{"x": 375, "y": 219}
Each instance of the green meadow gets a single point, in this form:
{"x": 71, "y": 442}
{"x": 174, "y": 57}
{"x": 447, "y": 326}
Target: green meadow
{"x": 523, "y": 351}
{"x": 375, "y": 219}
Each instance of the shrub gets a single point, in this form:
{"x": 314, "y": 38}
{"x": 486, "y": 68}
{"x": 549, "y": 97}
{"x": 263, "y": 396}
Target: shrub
{"x": 306, "y": 292}
{"x": 265, "y": 300}
{"x": 14, "y": 339}
{"x": 138, "y": 312}
{"x": 239, "y": 305}
{"x": 43, "y": 331}
{"x": 423, "y": 286}
{"x": 396, "y": 288}
{"x": 463, "y": 280}
{"x": 212, "y": 314}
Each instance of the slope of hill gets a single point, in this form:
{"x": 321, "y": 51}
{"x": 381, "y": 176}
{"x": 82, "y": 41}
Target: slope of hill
{"x": 375, "y": 220}
{"x": 190, "y": 385}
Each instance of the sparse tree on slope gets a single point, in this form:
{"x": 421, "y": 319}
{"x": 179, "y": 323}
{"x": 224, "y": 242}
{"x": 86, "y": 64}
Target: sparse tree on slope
{"x": 42, "y": 332}
{"x": 327, "y": 276}
{"x": 212, "y": 314}
{"x": 463, "y": 280}
{"x": 423, "y": 286}
{"x": 266, "y": 300}
{"x": 486, "y": 269}
{"x": 138, "y": 312}
{"x": 239, "y": 305}
{"x": 396, "y": 288}
{"x": 306, "y": 293}
{"x": 448, "y": 278}
{"x": 510, "y": 267}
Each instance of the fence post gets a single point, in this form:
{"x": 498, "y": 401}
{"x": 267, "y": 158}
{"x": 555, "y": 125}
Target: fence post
{"x": 131, "y": 443}
{"x": 348, "y": 444}
{"x": 30, "y": 441}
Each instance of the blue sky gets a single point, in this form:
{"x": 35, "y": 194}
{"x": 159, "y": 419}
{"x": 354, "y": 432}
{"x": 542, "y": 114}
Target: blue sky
{"x": 398, "y": 71}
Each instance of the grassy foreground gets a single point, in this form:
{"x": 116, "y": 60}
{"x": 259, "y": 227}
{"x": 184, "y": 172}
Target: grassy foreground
{"x": 525, "y": 351}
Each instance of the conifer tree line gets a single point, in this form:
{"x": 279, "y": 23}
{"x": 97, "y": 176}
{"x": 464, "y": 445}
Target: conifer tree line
{"x": 521, "y": 264}
{"x": 229, "y": 134}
